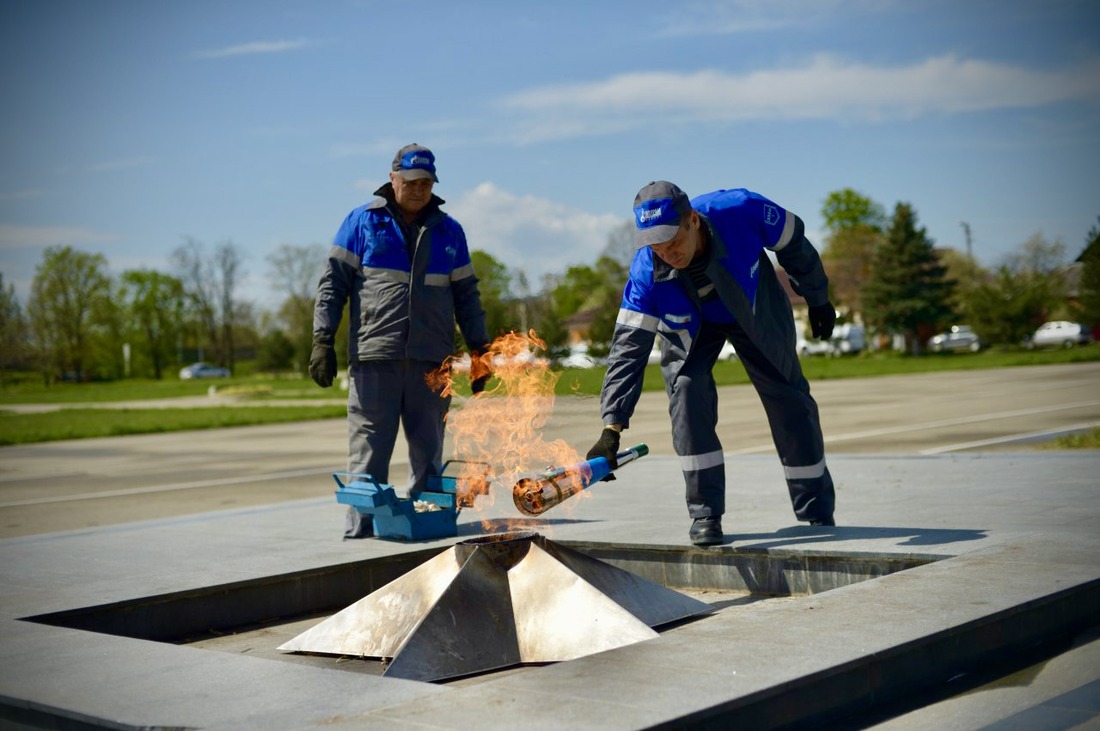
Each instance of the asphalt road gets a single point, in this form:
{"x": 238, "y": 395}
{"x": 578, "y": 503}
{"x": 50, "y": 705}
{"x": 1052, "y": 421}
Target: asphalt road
{"x": 84, "y": 483}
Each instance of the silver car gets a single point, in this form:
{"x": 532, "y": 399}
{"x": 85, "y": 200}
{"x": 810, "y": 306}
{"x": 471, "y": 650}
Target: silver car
{"x": 203, "y": 370}
{"x": 959, "y": 337}
{"x": 1060, "y": 334}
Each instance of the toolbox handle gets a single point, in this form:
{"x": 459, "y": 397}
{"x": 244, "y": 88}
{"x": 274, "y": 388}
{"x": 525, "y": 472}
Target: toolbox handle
{"x": 369, "y": 478}
{"x": 487, "y": 471}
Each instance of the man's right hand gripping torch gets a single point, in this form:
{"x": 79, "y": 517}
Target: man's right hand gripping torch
{"x": 536, "y": 495}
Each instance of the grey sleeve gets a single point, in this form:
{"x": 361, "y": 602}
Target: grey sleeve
{"x": 800, "y": 260}
{"x": 333, "y": 290}
{"x": 469, "y": 313}
{"x": 622, "y": 384}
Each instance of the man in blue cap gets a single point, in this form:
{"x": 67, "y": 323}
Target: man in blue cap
{"x": 404, "y": 267}
{"x": 702, "y": 276}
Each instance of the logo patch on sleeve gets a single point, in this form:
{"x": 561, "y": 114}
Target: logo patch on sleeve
{"x": 771, "y": 215}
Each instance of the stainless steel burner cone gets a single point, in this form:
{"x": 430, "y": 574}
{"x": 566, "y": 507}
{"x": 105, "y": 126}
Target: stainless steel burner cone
{"x": 496, "y": 601}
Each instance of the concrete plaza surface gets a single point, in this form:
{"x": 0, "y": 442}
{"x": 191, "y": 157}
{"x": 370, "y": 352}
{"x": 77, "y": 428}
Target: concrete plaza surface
{"x": 1010, "y": 541}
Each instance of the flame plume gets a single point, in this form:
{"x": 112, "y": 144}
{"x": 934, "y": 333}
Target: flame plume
{"x": 502, "y": 427}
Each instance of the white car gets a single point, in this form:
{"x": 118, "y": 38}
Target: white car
{"x": 579, "y": 358}
{"x": 1060, "y": 334}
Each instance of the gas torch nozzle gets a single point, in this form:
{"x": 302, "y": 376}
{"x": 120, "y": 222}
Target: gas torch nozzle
{"x": 536, "y": 495}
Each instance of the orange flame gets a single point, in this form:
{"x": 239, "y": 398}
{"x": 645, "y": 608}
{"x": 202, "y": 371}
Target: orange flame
{"x": 502, "y": 427}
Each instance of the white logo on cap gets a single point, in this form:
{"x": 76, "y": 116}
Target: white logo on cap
{"x": 414, "y": 160}
{"x": 647, "y": 215}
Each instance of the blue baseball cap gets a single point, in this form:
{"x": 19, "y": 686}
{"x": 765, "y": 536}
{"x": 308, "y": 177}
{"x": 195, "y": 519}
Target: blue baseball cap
{"x": 658, "y": 209}
{"x": 415, "y": 162}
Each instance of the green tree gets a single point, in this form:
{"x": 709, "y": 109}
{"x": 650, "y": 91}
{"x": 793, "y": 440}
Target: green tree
{"x": 968, "y": 274}
{"x": 16, "y": 353}
{"x": 1007, "y": 307}
{"x": 597, "y": 289}
{"x": 155, "y": 305}
{"x": 908, "y": 292}
{"x": 847, "y": 209}
{"x": 854, "y": 230}
{"x": 276, "y": 352}
{"x": 68, "y": 291}
{"x": 1026, "y": 290}
{"x": 1089, "y": 288}
{"x": 493, "y": 282}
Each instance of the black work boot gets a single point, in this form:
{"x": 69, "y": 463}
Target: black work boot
{"x": 706, "y": 531}
{"x": 823, "y": 521}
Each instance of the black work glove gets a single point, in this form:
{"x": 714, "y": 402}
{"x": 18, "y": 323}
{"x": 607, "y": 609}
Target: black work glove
{"x": 322, "y": 361}
{"x": 480, "y": 370}
{"x": 822, "y": 319}
{"x": 607, "y": 447}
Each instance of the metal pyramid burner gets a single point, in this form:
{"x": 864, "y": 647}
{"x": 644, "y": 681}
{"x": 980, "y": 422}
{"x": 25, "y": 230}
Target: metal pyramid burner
{"x": 495, "y": 601}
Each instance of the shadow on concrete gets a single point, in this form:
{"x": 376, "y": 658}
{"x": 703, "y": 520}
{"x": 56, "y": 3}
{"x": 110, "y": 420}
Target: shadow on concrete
{"x": 804, "y": 534}
{"x": 507, "y": 525}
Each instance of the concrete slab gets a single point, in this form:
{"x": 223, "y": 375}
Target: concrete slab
{"x": 1014, "y": 534}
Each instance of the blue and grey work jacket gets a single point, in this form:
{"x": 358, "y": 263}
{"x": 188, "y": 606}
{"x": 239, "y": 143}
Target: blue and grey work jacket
{"x": 661, "y": 301}
{"x": 405, "y": 293}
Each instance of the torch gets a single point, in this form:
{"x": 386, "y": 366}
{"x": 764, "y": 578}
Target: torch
{"x": 535, "y": 495}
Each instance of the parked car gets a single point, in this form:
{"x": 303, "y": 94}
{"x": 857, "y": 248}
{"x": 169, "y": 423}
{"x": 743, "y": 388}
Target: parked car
{"x": 203, "y": 370}
{"x": 814, "y": 347}
{"x": 846, "y": 339}
{"x": 1060, "y": 334}
{"x": 578, "y": 357}
{"x": 959, "y": 337}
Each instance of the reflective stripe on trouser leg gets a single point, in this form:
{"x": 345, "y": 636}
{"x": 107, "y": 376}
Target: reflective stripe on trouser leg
{"x": 693, "y": 408}
{"x": 796, "y": 431}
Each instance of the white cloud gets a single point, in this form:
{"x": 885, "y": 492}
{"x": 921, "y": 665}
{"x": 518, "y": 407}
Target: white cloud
{"x": 534, "y": 235}
{"x": 21, "y": 249}
{"x": 826, "y": 87}
{"x": 248, "y": 49}
{"x": 13, "y": 238}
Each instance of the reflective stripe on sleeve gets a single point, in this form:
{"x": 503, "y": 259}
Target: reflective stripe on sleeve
{"x": 632, "y": 318}
{"x": 788, "y": 232}
{"x": 462, "y": 272}
{"x": 437, "y": 280}
{"x": 341, "y": 254}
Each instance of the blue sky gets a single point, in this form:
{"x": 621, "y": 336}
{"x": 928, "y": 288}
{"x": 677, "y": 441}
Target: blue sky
{"x": 129, "y": 126}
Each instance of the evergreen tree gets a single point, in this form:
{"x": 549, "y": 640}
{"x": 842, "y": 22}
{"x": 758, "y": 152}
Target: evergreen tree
{"x": 13, "y": 332}
{"x": 908, "y": 292}
{"x": 1090, "y": 279}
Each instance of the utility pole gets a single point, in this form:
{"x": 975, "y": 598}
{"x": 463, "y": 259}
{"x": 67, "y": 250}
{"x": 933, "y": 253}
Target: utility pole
{"x": 966, "y": 230}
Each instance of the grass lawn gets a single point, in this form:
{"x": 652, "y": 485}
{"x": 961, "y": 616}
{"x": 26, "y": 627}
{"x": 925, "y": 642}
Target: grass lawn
{"x": 77, "y": 423}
